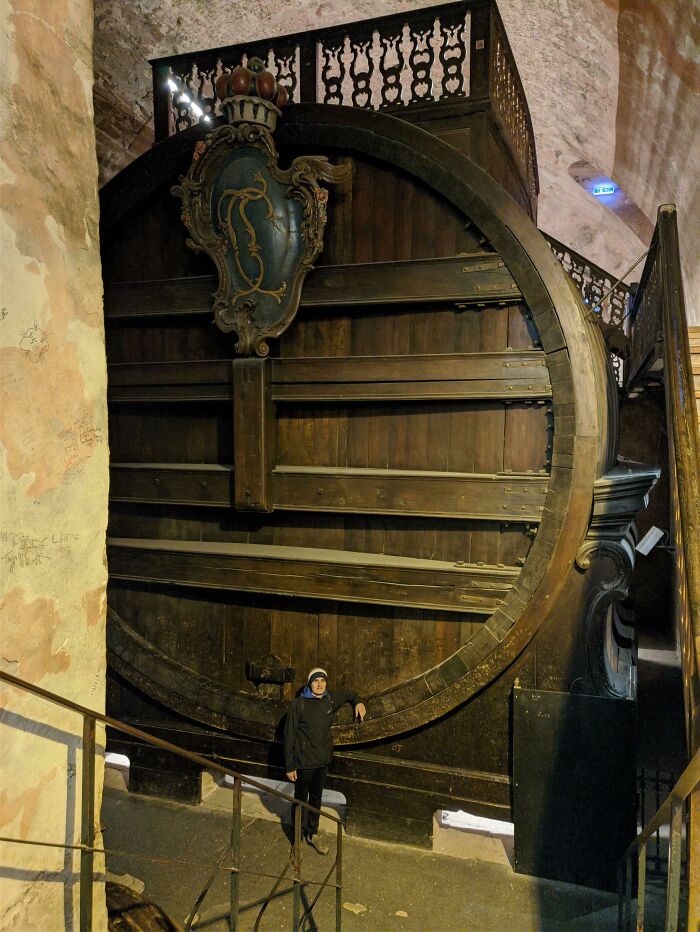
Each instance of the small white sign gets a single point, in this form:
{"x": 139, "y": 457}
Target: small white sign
{"x": 650, "y": 540}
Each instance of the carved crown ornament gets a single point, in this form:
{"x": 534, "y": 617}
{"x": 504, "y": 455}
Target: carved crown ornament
{"x": 262, "y": 225}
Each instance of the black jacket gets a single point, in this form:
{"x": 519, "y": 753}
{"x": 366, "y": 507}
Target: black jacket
{"x": 307, "y": 733}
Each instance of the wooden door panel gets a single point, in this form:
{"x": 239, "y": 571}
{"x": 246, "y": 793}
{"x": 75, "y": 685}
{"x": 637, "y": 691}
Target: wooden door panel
{"x": 297, "y": 632}
{"x": 163, "y": 339}
{"x": 473, "y": 442}
{"x": 443, "y": 539}
{"x": 528, "y": 438}
{"x": 184, "y": 622}
{"x": 366, "y": 643}
{"x": 185, "y": 433}
{"x": 368, "y": 227}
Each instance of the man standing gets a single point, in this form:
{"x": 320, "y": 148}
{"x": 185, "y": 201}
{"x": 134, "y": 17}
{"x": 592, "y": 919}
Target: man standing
{"x": 308, "y": 746}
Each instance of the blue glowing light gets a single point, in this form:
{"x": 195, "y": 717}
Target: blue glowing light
{"x": 600, "y": 190}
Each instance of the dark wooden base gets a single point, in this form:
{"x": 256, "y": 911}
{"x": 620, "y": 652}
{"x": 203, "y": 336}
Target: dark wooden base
{"x": 377, "y": 806}
{"x": 389, "y": 815}
{"x": 575, "y": 793}
{"x": 157, "y": 773}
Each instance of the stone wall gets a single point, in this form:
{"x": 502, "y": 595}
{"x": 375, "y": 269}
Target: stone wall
{"x": 657, "y": 127}
{"x": 567, "y": 58}
{"x": 609, "y": 82}
{"x": 614, "y": 83}
{"x": 53, "y": 451}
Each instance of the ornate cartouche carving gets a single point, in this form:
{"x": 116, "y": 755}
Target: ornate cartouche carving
{"x": 263, "y": 226}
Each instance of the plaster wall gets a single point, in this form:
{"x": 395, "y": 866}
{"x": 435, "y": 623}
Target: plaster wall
{"x": 610, "y": 82}
{"x": 53, "y": 452}
{"x": 657, "y": 126}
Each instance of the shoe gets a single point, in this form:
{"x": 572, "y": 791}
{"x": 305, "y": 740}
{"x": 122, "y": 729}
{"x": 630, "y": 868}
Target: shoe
{"x": 317, "y": 844}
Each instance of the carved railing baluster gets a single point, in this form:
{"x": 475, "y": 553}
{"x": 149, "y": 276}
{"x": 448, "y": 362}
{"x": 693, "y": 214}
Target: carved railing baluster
{"x": 508, "y": 98}
{"x": 454, "y": 56}
{"x": 393, "y": 61}
{"x": 646, "y": 332}
{"x": 421, "y": 60}
{"x": 330, "y": 85}
{"x": 285, "y": 64}
{"x": 197, "y": 80}
{"x": 361, "y": 71}
{"x": 391, "y": 65}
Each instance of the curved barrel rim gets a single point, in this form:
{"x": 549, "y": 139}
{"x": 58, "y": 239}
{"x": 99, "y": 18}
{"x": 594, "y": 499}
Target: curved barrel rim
{"x": 569, "y": 340}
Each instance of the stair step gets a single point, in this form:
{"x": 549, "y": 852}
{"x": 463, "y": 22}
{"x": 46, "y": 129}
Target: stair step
{"x": 694, "y": 337}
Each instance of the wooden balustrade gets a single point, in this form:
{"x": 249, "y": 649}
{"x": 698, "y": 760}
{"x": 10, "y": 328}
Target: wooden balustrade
{"x": 660, "y": 349}
{"x": 452, "y": 59}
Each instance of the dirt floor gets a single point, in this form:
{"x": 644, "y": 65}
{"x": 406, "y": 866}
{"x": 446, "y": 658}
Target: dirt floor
{"x": 173, "y": 850}
{"x": 385, "y": 886}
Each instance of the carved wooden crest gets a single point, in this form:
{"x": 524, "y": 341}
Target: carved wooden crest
{"x": 262, "y": 225}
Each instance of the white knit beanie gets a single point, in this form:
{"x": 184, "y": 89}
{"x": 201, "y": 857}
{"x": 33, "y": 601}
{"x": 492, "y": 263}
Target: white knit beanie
{"x": 315, "y": 674}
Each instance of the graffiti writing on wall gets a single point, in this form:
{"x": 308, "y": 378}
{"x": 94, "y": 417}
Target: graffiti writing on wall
{"x": 19, "y": 549}
{"x": 33, "y": 343}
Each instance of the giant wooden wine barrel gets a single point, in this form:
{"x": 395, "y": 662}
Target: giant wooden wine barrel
{"x": 437, "y": 420}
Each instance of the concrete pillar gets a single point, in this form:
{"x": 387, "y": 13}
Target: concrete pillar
{"x": 53, "y": 452}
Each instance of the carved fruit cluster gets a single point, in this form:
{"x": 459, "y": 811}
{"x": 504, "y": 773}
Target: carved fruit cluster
{"x": 252, "y": 81}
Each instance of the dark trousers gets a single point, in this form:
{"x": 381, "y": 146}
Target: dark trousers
{"x": 309, "y": 789}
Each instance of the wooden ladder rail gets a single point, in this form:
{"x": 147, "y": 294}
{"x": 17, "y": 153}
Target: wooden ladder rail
{"x": 659, "y": 315}
{"x": 87, "y": 825}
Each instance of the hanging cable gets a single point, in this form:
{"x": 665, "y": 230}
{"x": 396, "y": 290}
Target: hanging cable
{"x": 620, "y": 279}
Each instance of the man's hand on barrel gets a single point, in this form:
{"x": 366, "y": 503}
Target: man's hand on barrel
{"x": 360, "y": 711}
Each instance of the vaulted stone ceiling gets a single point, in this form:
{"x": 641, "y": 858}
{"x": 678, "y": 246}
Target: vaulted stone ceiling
{"x": 612, "y": 85}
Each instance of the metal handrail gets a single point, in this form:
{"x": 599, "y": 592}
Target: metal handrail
{"x": 87, "y": 833}
{"x": 671, "y": 812}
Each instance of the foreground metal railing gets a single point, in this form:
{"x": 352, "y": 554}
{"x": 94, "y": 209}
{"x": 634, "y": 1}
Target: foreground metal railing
{"x": 87, "y": 826}
{"x": 672, "y": 813}
{"x": 653, "y": 786}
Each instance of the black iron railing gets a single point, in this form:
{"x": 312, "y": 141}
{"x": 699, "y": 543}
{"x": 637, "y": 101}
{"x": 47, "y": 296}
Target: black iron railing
{"x": 653, "y": 788}
{"x": 454, "y": 55}
{"x": 87, "y": 832}
{"x": 593, "y": 284}
{"x": 646, "y": 321}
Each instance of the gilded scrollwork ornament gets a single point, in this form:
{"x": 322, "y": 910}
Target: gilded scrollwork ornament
{"x": 262, "y": 225}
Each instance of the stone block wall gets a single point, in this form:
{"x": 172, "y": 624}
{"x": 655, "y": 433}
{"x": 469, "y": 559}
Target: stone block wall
{"x": 53, "y": 451}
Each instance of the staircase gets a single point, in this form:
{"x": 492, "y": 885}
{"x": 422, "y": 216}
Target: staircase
{"x": 694, "y": 338}
{"x": 665, "y": 353}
